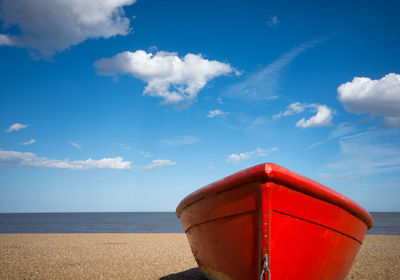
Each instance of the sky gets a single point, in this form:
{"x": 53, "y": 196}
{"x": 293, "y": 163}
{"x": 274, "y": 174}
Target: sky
{"x": 124, "y": 105}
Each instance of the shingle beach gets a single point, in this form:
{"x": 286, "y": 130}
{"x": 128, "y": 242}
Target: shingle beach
{"x": 146, "y": 256}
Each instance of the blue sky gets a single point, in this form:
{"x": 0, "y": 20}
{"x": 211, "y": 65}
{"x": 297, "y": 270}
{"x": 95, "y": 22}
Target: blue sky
{"x": 130, "y": 106}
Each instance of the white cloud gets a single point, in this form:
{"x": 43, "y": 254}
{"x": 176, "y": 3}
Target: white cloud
{"x": 5, "y": 40}
{"x": 180, "y": 140}
{"x": 152, "y": 49}
{"x": 264, "y": 84}
{"x": 19, "y": 159}
{"x": 28, "y": 142}
{"x": 294, "y": 108}
{"x": 219, "y": 99}
{"x": 16, "y": 127}
{"x": 376, "y": 97}
{"x": 273, "y": 21}
{"x": 323, "y": 117}
{"x": 76, "y": 145}
{"x": 168, "y": 76}
{"x": 215, "y": 113}
{"x": 256, "y": 153}
{"x": 53, "y": 26}
{"x": 158, "y": 163}
{"x": 145, "y": 154}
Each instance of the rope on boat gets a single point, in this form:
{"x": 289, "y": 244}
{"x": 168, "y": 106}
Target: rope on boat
{"x": 265, "y": 268}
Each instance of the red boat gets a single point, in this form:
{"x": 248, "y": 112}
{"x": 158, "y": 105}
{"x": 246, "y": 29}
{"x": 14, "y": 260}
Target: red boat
{"x": 267, "y": 222}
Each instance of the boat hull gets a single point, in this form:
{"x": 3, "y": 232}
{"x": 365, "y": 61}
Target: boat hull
{"x": 232, "y": 225}
{"x": 225, "y": 241}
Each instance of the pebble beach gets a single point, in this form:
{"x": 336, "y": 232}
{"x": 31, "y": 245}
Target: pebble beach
{"x": 147, "y": 256}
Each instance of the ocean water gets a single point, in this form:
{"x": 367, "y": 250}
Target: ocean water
{"x": 123, "y": 222}
{"x": 387, "y": 223}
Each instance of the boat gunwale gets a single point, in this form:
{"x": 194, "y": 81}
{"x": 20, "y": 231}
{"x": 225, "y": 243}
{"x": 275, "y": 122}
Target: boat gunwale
{"x": 270, "y": 172}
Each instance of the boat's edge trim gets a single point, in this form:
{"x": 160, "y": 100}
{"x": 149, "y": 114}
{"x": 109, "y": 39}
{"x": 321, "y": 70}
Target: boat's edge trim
{"x": 276, "y": 211}
{"x": 290, "y": 179}
{"x": 256, "y": 173}
{"x": 270, "y": 172}
{"x": 220, "y": 218}
{"x": 318, "y": 224}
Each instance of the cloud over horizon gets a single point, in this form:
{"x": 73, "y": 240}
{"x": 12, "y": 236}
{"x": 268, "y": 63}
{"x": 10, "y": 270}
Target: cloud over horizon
{"x": 167, "y": 76}
{"x": 375, "y": 97}
{"x": 53, "y": 26}
{"x": 27, "y": 159}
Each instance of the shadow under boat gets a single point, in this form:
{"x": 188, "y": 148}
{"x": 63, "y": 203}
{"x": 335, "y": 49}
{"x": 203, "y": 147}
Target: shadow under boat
{"x": 190, "y": 274}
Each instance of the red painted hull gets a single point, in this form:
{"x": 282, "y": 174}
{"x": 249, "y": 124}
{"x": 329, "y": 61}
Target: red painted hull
{"x": 304, "y": 229}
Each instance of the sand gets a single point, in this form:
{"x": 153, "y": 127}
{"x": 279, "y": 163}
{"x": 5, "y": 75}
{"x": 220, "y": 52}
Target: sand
{"x": 146, "y": 256}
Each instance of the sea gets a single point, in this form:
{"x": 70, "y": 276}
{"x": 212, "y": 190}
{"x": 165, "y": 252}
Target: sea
{"x": 386, "y": 223}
